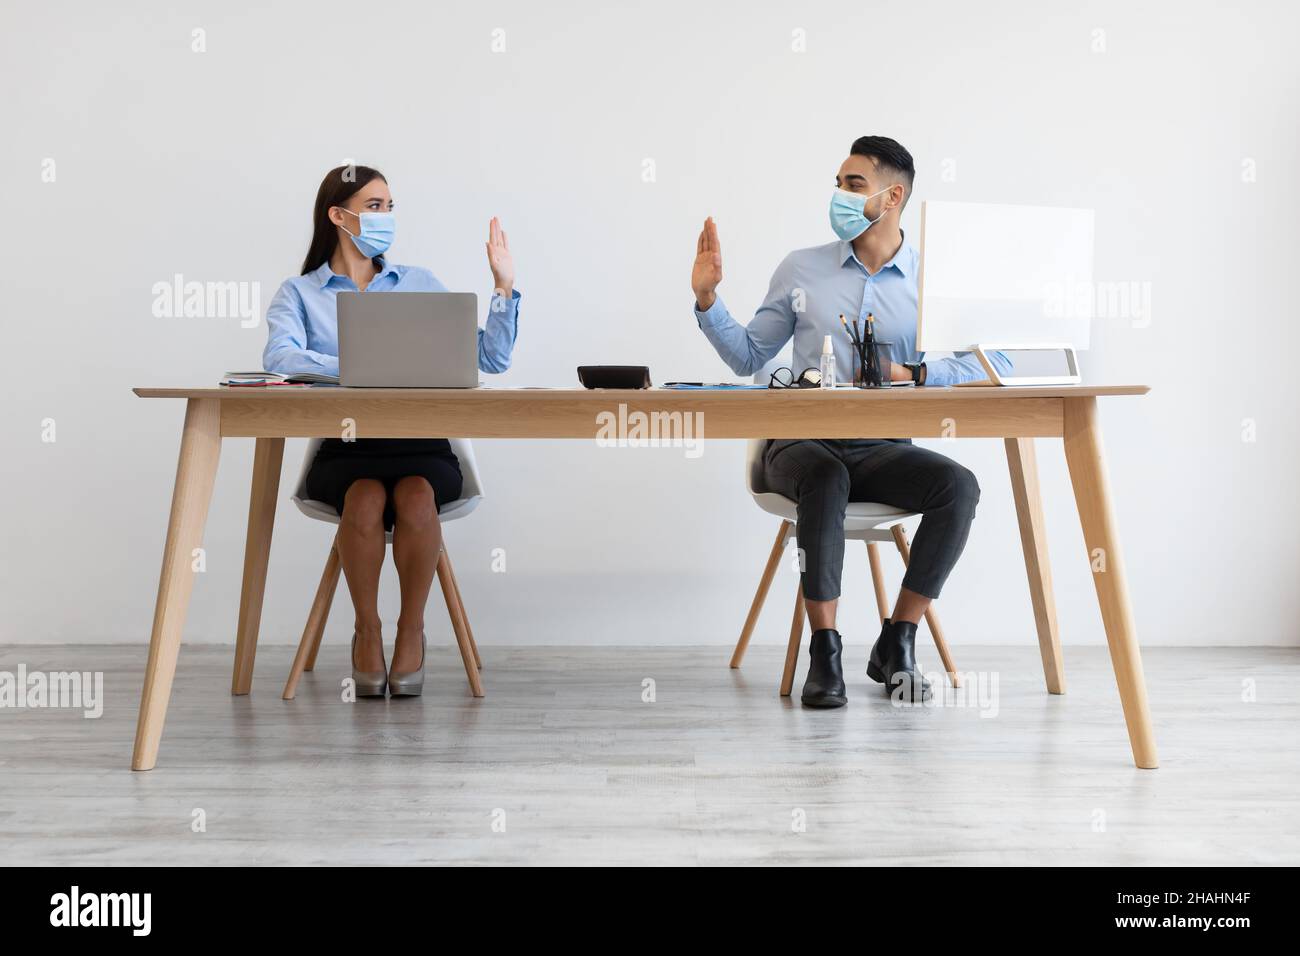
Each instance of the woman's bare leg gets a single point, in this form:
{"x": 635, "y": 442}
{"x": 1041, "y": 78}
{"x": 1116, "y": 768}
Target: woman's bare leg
{"x": 417, "y": 539}
{"x": 361, "y": 553}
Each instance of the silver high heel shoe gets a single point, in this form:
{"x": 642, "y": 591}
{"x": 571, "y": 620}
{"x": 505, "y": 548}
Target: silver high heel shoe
{"x": 368, "y": 683}
{"x": 410, "y": 684}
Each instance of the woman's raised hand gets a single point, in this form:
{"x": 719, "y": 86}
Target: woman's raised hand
{"x": 500, "y": 261}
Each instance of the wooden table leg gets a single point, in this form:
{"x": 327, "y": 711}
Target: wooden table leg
{"x": 1033, "y": 541}
{"x": 196, "y": 470}
{"x": 1083, "y": 454}
{"x": 267, "y": 458}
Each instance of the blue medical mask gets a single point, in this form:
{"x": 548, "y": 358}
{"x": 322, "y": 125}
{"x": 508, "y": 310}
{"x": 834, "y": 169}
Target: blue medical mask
{"x": 848, "y": 217}
{"x": 376, "y": 234}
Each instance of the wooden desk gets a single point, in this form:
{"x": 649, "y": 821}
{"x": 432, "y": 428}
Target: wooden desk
{"x": 1017, "y": 415}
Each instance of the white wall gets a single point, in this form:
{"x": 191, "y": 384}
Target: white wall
{"x": 205, "y": 164}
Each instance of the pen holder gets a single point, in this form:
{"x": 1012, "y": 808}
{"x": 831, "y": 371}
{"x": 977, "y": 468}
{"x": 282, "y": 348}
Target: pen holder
{"x": 871, "y": 365}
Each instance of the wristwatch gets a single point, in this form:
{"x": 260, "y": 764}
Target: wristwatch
{"x": 918, "y": 372}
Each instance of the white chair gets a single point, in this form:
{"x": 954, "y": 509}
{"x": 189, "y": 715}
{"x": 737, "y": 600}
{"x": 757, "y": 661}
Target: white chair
{"x": 864, "y": 521}
{"x": 470, "y": 496}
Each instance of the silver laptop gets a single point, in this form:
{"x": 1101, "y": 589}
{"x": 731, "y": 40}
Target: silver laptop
{"x": 408, "y": 339}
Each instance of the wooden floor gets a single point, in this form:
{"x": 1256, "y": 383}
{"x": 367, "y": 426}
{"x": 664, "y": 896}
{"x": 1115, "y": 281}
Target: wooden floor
{"x": 718, "y": 769}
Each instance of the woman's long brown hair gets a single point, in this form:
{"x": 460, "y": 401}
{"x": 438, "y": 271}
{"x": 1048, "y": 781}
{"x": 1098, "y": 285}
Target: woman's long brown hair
{"x": 338, "y": 186}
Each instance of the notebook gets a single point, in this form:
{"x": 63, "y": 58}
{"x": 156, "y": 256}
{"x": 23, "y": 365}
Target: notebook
{"x": 254, "y": 379}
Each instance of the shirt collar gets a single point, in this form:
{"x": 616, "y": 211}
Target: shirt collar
{"x": 325, "y": 274}
{"x": 904, "y": 260}
{"x": 322, "y": 274}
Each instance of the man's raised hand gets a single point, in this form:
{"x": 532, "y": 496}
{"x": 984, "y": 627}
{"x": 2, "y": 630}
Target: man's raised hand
{"x": 707, "y": 272}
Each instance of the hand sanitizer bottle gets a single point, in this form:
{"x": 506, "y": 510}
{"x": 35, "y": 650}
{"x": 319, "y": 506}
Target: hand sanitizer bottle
{"x": 828, "y": 363}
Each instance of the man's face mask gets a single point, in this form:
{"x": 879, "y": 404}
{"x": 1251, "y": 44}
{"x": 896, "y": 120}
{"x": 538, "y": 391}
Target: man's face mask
{"x": 848, "y": 213}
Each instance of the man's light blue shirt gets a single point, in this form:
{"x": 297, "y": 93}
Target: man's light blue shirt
{"x": 810, "y": 290}
{"x": 303, "y": 329}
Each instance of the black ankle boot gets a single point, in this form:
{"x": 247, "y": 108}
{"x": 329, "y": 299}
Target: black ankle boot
{"x": 893, "y": 662}
{"x": 824, "y": 686}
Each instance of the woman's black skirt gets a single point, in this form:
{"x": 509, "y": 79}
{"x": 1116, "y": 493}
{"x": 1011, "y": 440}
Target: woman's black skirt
{"x": 388, "y": 460}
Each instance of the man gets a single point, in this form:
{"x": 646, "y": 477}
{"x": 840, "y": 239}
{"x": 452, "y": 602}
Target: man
{"x": 871, "y": 269}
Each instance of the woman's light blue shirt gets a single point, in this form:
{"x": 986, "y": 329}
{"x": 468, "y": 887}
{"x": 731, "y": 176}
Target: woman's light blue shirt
{"x": 303, "y": 330}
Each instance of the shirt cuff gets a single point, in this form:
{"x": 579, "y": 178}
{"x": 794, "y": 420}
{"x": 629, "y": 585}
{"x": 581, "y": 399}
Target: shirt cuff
{"x": 713, "y": 315}
{"x": 945, "y": 372}
{"x": 498, "y": 305}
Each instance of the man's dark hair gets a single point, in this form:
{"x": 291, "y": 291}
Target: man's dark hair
{"x": 890, "y": 158}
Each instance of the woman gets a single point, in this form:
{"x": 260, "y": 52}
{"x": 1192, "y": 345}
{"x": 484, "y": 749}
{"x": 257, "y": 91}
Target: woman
{"x": 378, "y": 484}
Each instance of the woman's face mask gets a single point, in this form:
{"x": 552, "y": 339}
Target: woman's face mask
{"x": 848, "y": 213}
{"x": 376, "y": 233}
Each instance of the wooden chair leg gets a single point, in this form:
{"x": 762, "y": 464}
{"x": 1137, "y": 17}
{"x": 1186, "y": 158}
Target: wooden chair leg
{"x": 931, "y": 616}
{"x": 796, "y": 637}
{"x": 764, "y": 583}
{"x": 460, "y": 607}
{"x": 305, "y": 659}
{"x": 332, "y": 568}
{"x": 878, "y": 580}
{"x": 458, "y": 624}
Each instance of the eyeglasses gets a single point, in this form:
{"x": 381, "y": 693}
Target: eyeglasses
{"x": 784, "y": 378}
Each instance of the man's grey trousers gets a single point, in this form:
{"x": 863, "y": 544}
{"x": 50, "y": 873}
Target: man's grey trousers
{"x": 823, "y": 475}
